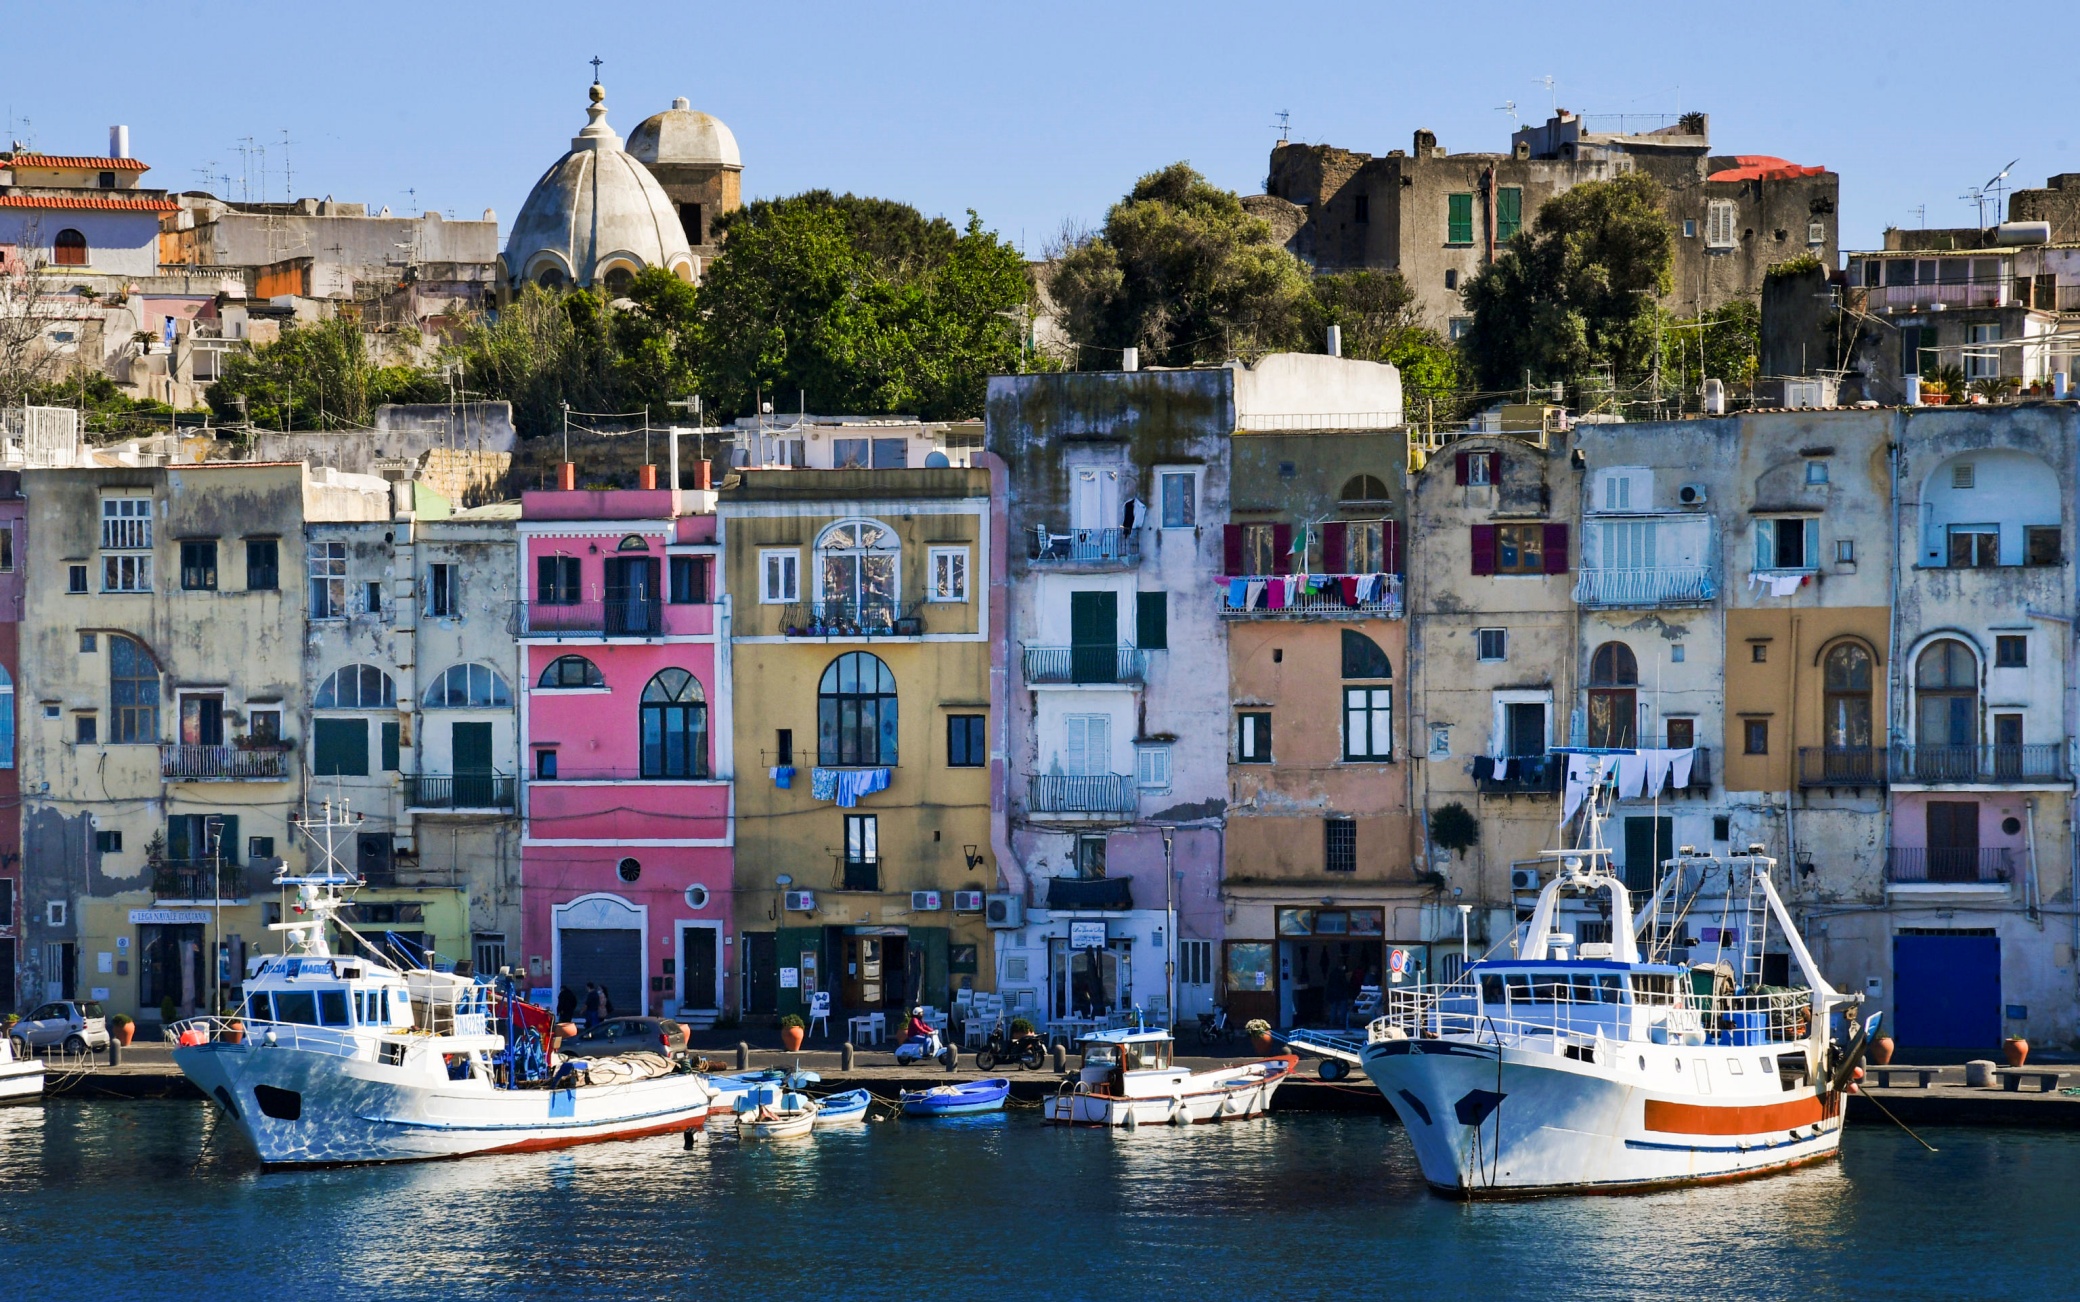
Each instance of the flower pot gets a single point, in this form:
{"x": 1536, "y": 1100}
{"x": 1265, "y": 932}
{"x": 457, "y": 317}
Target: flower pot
{"x": 1261, "y": 1043}
{"x": 1881, "y": 1051}
{"x": 124, "y": 1033}
{"x": 2017, "y": 1050}
{"x": 234, "y": 1032}
{"x": 791, "y": 1038}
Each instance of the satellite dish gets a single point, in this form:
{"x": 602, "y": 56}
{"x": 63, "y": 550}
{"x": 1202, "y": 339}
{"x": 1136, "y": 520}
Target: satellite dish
{"x": 936, "y": 461}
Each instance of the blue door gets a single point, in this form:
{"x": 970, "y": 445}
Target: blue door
{"x": 1947, "y": 991}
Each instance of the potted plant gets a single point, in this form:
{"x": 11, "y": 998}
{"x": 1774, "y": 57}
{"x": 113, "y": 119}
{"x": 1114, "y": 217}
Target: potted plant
{"x": 2017, "y": 1050}
{"x": 1881, "y": 1050}
{"x": 122, "y": 1029}
{"x": 234, "y": 1031}
{"x": 1020, "y": 1026}
{"x": 168, "y": 1014}
{"x": 1259, "y": 1032}
{"x": 791, "y": 1033}
{"x": 1934, "y": 393}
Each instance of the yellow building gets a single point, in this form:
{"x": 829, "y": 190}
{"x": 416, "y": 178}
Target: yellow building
{"x": 860, "y": 646}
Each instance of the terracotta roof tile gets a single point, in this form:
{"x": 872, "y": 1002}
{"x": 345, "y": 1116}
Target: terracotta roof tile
{"x": 88, "y": 202}
{"x": 87, "y": 161}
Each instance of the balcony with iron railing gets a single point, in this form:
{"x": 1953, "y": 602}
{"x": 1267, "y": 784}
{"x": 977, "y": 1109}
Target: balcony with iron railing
{"x": 1648, "y": 588}
{"x": 846, "y": 617}
{"x": 191, "y": 880}
{"x": 1344, "y": 596}
{"x": 1841, "y": 766}
{"x": 181, "y": 762}
{"x": 1085, "y": 794}
{"x": 1084, "y": 548}
{"x": 1935, "y": 865}
{"x": 621, "y": 617}
{"x": 1085, "y": 664}
{"x": 469, "y": 791}
{"x": 2036, "y": 764}
{"x": 1544, "y": 775}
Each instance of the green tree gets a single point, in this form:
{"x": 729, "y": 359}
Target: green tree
{"x": 1725, "y": 345}
{"x": 1183, "y": 273}
{"x": 1575, "y": 293}
{"x": 316, "y": 376}
{"x": 1382, "y": 322}
{"x": 858, "y": 305}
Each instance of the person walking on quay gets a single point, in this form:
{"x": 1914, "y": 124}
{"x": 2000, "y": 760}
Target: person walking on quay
{"x": 595, "y": 1004}
{"x": 1337, "y": 987}
{"x": 566, "y": 1005}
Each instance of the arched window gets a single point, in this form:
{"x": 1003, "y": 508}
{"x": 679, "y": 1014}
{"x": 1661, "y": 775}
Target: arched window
{"x": 856, "y": 574}
{"x": 468, "y": 687}
{"x": 572, "y": 671}
{"x": 1368, "y": 710}
{"x": 133, "y": 692}
{"x": 6, "y": 720}
{"x": 619, "y": 281}
{"x": 1846, "y": 702}
{"x": 357, "y": 687}
{"x": 550, "y": 277}
{"x": 675, "y": 726}
{"x": 1364, "y": 488}
{"x": 1613, "y": 697}
{"x": 856, "y": 712}
{"x": 69, "y": 249}
{"x": 1946, "y": 711}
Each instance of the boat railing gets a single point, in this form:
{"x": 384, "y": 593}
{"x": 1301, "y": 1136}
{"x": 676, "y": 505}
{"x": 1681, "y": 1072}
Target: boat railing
{"x": 1456, "y": 1012}
{"x": 339, "y": 1041}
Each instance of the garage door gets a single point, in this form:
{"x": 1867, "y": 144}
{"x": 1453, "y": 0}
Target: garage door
{"x": 1947, "y": 988}
{"x": 611, "y": 958}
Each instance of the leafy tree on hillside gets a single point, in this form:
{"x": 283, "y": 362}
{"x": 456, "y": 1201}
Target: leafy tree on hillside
{"x": 1183, "y": 273}
{"x": 1382, "y": 322}
{"x": 1576, "y": 291}
{"x": 316, "y": 376}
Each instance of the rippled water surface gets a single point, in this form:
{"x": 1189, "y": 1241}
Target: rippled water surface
{"x": 130, "y": 1199}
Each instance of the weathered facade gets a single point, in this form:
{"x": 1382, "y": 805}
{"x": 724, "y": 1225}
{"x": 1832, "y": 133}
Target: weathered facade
{"x": 1965, "y": 303}
{"x": 13, "y": 569}
{"x": 862, "y": 625}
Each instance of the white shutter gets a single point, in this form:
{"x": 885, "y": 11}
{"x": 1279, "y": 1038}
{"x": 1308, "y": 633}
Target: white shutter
{"x": 1765, "y": 544}
{"x": 1076, "y": 749}
{"x": 1812, "y": 559}
{"x": 1084, "y": 504}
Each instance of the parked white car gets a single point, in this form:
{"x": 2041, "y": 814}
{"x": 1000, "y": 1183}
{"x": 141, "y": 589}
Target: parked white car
{"x": 78, "y": 1025}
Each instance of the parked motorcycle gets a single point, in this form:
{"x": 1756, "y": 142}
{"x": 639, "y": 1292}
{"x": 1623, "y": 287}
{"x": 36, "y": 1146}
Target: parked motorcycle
{"x": 1025, "y": 1048}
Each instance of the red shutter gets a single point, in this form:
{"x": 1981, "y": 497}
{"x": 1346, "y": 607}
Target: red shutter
{"x": 1484, "y": 549}
{"x": 1333, "y": 548}
{"x": 1494, "y": 467}
{"x": 1556, "y": 549}
{"x": 1459, "y": 467}
{"x": 1231, "y": 549}
{"x": 1390, "y": 533}
{"x": 1281, "y": 549}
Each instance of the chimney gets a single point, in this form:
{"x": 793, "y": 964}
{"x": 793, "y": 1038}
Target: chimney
{"x": 1130, "y": 359}
{"x": 703, "y": 475}
{"x": 567, "y": 478}
{"x": 646, "y": 478}
{"x": 1335, "y": 341}
{"x": 119, "y": 142}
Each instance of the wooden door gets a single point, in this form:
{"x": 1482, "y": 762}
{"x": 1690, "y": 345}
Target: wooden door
{"x": 863, "y": 979}
{"x": 470, "y": 753}
{"x": 1093, "y": 637}
{"x": 1953, "y": 840}
{"x": 698, "y": 960}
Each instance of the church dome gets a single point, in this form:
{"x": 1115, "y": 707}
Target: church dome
{"x": 597, "y": 213}
{"x": 681, "y": 136}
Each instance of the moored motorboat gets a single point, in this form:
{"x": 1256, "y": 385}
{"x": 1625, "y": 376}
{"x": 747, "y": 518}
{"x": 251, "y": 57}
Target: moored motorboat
{"x": 787, "y": 1116}
{"x": 964, "y": 1099}
{"x": 842, "y": 1109}
{"x": 1569, "y": 1068}
{"x": 21, "y": 1077}
{"x": 1129, "y": 1078}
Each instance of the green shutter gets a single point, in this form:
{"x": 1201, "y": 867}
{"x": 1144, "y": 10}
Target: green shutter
{"x": 339, "y": 747}
{"x": 1459, "y": 218}
{"x": 1509, "y": 213}
{"x": 390, "y": 747}
{"x": 1152, "y": 621}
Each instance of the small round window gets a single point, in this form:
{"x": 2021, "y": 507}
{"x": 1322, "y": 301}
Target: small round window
{"x": 696, "y": 897}
{"x": 630, "y": 870}
{"x": 2011, "y": 825}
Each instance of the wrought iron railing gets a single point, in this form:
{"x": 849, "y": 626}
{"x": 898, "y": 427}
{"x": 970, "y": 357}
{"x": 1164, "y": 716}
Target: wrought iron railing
{"x": 1381, "y": 596}
{"x": 458, "y": 791}
{"x": 622, "y": 617}
{"x": 834, "y": 617}
{"x": 181, "y": 762}
{"x": 1081, "y": 793}
{"x": 1841, "y": 766}
{"x": 1980, "y": 765}
{"x": 193, "y": 879}
{"x": 1085, "y": 664}
{"x": 1648, "y": 588}
{"x": 1525, "y": 775}
{"x": 1084, "y": 546}
{"x": 1942, "y": 864}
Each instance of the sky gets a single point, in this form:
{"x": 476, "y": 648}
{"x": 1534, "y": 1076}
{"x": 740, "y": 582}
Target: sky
{"x": 1032, "y": 115}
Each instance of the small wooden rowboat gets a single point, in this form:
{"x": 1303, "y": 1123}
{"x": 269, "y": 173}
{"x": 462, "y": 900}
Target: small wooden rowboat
{"x": 958, "y": 1100}
{"x": 842, "y": 1109}
{"x": 793, "y": 1116}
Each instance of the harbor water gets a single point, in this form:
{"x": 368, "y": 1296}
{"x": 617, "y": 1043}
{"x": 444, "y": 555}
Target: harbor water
{"x": 157, "y": 1199}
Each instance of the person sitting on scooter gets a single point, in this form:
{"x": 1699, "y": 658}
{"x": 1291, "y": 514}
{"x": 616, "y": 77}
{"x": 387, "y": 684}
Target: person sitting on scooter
{"x": 919, "y": 1029}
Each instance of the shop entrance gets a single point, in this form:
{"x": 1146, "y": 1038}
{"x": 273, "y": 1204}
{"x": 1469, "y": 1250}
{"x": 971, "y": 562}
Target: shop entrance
{"x": 1090, "y": 982}
{"x": 171, "y": 966}
{"x": 877, "y": 974}
{"x": 1324, "y": 957}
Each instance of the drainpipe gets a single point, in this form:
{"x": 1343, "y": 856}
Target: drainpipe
{"x": 1488, "y": 222}
{"x": 1010, "y": 873}
{"x": 1895, "y": 699}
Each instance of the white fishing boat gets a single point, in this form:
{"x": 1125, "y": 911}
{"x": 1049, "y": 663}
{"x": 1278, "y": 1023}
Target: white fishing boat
{"x": 21, "y": 1076}
{"x": 350, "y": 1057}
{"x": 1130, "y": 1078}
{"x": 785, "y": 1116}
{"x": 1570, "y": 1068}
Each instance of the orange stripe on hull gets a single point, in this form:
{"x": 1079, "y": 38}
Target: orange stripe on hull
{"x": 1706, "y": 1119}
{"x": 546, "y": 1142}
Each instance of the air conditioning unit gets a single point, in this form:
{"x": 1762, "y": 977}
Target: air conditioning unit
{"x": 924, "y": 901}
{"x": 1691, "y": 495}
{"x": 801, "y": 901}
{"x": 1004, "y": 911}
{"x": 967, "y": 901}
{"x": 1523, "y": 879}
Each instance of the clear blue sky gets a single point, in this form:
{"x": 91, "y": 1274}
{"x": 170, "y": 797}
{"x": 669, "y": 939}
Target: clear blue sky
{"x": 1034, "y": 113}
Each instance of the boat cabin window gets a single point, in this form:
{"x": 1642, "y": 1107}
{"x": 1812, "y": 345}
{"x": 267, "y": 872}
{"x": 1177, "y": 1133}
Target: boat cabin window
{"x": 332, "y": 1008}
{"x": 1654, "y": 988}
{"x": 1100, "y": 1054}
{"x": 1491, "y": 989}
{"x": 1519, "y": 988}
{"x": 1151, "y": 1055}
{"x": 297, "y": 1006}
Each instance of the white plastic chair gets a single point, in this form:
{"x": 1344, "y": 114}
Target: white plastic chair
{"x": 820, "y": 1011}
{"x": 975, "y": 1030}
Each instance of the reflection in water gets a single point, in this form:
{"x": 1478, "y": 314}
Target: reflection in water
{"x": 890, "y": 1208}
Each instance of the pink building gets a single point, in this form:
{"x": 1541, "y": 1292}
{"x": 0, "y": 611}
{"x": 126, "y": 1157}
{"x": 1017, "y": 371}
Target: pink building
{"x": 628, "y": 824}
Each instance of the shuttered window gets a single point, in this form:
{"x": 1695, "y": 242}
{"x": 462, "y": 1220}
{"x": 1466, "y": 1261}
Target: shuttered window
{"x": 1087, "y": 744}
{"x": 339, "y": 747}
{"x": 1458, "y": 222}
{"x": 1509, "y": 213}
{"x": 1152, "y": 621}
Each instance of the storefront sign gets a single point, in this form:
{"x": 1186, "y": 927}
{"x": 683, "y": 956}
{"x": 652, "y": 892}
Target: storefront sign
{"x": 167, "y": 917}
{"x": 1086, "y": 935}
{"x": 790, "y": 978}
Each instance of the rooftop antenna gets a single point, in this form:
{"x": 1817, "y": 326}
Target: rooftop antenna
{"x": 1509, "y": 106}
{"x": 1976, "y": 196}
{"x": 1920, "y": 211}
{"x": 288, "y": 183}
{"x": 1998, "y": 185}
{"x": 1552, "y": 89}
{"x": 1284, "y": 125}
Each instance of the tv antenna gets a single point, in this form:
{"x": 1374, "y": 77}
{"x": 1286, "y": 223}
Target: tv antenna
{"x": 1998, "y": 185}
{"x": 1284, "y": 125}
{"x": 1509, "y": 106}
{"x": 1920, "y": 211}
{"x": 1552, "y": 89}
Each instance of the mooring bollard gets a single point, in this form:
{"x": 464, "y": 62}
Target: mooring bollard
{"x": 953, "y": 1059}
{"x": 1061, "y": 1058}
{"x": 115, "y": 1052}
{"x": 743, "y": 1056}
{"x": 845, "y": 1056}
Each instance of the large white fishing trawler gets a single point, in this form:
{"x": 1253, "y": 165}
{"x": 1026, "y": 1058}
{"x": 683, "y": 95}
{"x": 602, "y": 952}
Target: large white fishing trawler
{"x": 1593, "y": 1067}
{"x": 353, "y": 1057}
